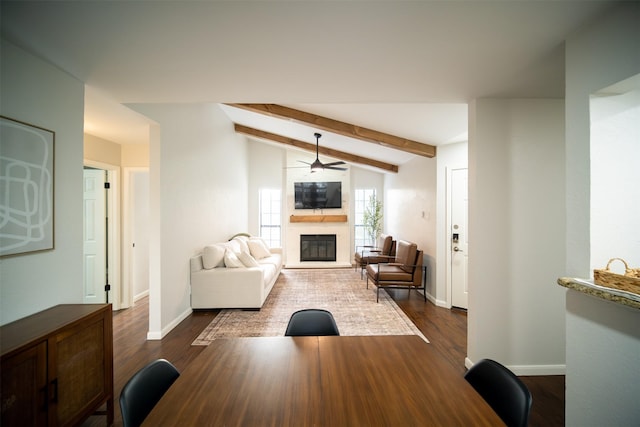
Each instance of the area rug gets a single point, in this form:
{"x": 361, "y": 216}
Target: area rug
{"x": 341, "y": 291}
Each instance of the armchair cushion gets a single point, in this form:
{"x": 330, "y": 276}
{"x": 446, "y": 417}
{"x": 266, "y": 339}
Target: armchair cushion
{"x": 406, "y": 255}
{"x": 384, "y": 244}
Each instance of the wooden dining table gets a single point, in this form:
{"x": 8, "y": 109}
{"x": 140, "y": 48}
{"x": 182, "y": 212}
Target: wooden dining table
{"x": 321, "y": 381}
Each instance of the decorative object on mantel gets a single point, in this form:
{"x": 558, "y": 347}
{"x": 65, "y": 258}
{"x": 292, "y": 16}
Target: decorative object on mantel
{"x": 629, "y": 281}
{"x": 318, "y": 218}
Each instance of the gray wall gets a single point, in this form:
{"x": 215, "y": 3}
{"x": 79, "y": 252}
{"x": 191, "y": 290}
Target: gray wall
{"x": 603, "y": 339}
{"x": 35, "y": 92}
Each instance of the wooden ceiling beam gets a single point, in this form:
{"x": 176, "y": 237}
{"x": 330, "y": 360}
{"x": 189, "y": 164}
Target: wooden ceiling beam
{"x": 342, "y": 128}
{"x": 347, "y": 157}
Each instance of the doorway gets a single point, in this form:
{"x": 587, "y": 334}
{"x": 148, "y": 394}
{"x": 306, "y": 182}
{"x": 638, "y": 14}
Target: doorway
{"x": 101, "y": 234}
{"x": 136, "y": 235}
{"x": 95, "y": 229}
{"x": 458, "y": 237}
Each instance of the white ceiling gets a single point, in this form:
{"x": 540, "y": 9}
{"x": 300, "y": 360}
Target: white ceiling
{"x": 408, "y": 68}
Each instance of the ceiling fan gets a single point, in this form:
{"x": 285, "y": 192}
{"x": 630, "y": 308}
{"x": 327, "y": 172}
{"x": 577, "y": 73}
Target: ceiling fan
{"x": 317, "y": 165}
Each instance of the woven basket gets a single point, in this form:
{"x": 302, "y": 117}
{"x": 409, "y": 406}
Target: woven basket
{"x": 629, "y": 281}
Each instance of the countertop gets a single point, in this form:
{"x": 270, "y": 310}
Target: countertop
{"x": 587, "y": 286}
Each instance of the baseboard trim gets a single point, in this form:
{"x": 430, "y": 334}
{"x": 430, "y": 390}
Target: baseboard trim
{"x": 536, "y": 370}
{"x": 158, "y": 335}
{"x": 529, "y": 370}
{"x": 436, "y": 302}
{"x": 141, "y": 295}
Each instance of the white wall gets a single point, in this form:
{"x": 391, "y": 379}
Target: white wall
{"x": 410, "y": 208}
{"x": 602, "y": 350}
{"x": 138, "y": 217}
{"x": 198, "y": 195}
{"x": 516, "y": 229}
{"x": 38, "y": 93}
{"x": 266, "y": 170}
{"x": 615, "y": 195}
{"x": 450, "y": 156}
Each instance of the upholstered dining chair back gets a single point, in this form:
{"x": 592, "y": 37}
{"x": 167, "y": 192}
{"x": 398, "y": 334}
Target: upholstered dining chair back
{"x": 311, "y": 322}
{"x": 144, "y": 389}
{"x": 502, "y": 390}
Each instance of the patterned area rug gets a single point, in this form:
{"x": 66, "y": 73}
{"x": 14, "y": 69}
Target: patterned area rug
{"x": 341, "y": 291}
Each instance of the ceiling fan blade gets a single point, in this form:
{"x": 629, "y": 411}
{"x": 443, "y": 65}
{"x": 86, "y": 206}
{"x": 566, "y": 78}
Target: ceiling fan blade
{"x": 334, "y": 163}
{"x": 334, "y": 168}
{"x": 302, "y": 161}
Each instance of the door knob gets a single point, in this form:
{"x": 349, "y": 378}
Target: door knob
{"x": 457, "y": 249}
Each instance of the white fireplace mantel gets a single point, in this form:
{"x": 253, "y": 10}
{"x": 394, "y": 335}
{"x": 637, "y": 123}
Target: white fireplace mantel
{"x": 340, "y": 229}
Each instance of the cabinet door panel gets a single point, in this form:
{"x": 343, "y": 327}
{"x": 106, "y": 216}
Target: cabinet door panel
{"x": 24, "y": 388}
{"x": 79, "y": 370}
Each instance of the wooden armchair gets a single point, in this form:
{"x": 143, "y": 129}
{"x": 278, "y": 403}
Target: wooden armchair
{"x": 382, "y": 252}
{"x": 406, "y": 270}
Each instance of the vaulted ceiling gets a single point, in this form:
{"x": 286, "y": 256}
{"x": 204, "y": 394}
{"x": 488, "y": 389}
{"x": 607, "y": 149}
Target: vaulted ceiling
{"x": 335, "y": 127}
{"x": 405, "y": 69}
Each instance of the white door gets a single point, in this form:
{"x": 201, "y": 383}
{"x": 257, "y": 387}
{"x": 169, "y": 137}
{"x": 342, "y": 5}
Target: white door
{"x": 459, "y": 238}
{"x": 95, "y": 253}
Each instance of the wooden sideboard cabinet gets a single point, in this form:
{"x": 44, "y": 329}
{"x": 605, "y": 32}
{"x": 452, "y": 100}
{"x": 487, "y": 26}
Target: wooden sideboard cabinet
{"x": 57, "y": 366}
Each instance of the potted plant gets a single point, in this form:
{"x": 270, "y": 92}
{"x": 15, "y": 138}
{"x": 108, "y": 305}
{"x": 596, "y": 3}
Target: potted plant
{"x": 372, "y": 219}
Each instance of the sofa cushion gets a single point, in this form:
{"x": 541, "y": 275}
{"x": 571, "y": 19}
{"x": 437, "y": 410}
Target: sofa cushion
{"x": 269, "y": 270}
{"x": 247, "y": 259}
{"x": 258, "y": 248}
{"x": 231, "y": 260}
{"x": 213, "y": 256}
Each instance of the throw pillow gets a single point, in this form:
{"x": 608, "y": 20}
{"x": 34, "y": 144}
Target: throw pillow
{"x": 232, "y": 245}
{"x": 258, "y": 248}
{"x": 213, "y": 256}
{"x": 242, "y": 241}
{"x": 231, "y": 260}
{"x": 247, "y": 259}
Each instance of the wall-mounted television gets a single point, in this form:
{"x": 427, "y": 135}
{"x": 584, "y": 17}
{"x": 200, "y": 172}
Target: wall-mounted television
{"x": 318, "y": 195}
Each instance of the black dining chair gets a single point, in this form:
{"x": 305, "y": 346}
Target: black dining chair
{"x": 144, "y": 389}
{"x": 507, "y": 395}
{"x": 311, "y": 322}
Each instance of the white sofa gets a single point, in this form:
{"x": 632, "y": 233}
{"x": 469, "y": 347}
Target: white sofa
{"x": 235, "y": 274}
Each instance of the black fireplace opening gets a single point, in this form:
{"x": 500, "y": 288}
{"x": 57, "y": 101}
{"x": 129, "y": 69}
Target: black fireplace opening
{"x": 317, "y": 247}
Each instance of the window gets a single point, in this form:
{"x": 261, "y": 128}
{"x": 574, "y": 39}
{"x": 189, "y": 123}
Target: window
{"x": 362, "y": 196}
{"x": 270, "y": 216}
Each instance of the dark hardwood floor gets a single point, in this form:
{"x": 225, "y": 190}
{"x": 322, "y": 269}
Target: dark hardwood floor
{"x": 445, "y": 329}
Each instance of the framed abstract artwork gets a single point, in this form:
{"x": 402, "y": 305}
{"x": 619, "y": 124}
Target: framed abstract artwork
{"x": 26, "y": 188}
